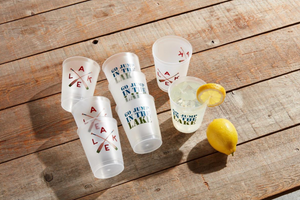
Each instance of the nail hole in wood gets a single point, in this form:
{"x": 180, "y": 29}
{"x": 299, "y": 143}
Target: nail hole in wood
{"x": 212, "y": 41}
{"x": 48, "y": 177}
{"x": 157, "y": 3}
{"x": 157, "y": 189}
{"x": 95, "y": 42}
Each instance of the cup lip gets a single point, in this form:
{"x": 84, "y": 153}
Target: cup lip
{"x": 101, "y": 118}
{"x": 180, "y": 80}
{"x": 122, "y": 82}
{"x": 81, "y": 57}
{"x": 104, "y": 65}
{"x": 92, "y": 97}
{"x": 145, "y": 96}
{"x": 169, "y": 37}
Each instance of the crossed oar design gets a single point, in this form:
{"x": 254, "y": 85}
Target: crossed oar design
{"x": 79, "y": 77}
{"x": 163, "y": 80}
{"x": 95, "y": 118}
{"x": 105, "y": 140}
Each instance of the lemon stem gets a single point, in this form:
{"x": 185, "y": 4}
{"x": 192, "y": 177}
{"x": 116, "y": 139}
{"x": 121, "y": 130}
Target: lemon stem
{"x": 232, "y": 154}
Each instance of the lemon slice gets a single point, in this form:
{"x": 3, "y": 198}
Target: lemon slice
{"x": 211, "y": 92}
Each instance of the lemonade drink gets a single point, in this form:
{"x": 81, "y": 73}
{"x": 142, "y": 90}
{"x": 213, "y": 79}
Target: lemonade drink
{"x": 187, "y": 111}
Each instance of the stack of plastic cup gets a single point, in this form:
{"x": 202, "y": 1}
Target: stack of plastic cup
{"x": 135, "y": 107}
{"x": 98, "y": 133}
{"x": 97, "y": 130}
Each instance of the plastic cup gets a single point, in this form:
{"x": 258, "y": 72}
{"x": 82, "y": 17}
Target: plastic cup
{"x": 102, "y": 147}
{"x": 172, "y": 56}
{"x": 129, "y": 89}
{"x": 139, "y": 120}
{"x": 118, "y": 67}
{"x": 91, "y": 108}
{"x": 79, "y": 78}
{"x": 187, "y": 112}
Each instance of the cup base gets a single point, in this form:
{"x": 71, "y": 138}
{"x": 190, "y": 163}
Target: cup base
{"x": 147, "y": 145}
{"x": 109, "y": 170}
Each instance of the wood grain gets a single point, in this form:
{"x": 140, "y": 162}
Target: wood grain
{"x": 256, "y": 111}
{"x": 233, "y": 66}
{"x": 13, "y": 10}
{"x": 84, "y": 21}
{"x": 40, "y": 75}
{"x": 259, "y": 169}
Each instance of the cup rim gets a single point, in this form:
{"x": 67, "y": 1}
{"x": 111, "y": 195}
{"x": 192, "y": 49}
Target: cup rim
{"x": 92, "y": 97}
{"x": 145, "y": 96}
{"x": 104, "y": 65}
{"x": 184, "y": 78}
{"x": 101, "y": 118}
{"x": 81, "y": 57}
{"x": 169, "y": 37}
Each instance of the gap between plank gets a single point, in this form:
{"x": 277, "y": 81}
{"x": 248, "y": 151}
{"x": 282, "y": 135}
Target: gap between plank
{"x": 35, "y": 14}
{"x": 124, "y": 29}
{"x": 282, "y": 193}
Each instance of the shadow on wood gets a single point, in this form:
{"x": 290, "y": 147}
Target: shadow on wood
{"x": 208, "y": 164}
{"x": 64, "y": 168}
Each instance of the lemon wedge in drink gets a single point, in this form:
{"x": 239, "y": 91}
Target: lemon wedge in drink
{"x": 214, "y": 93}
{"x": 222, "y": 136}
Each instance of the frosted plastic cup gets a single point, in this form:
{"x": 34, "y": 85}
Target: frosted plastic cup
{"x": 129, "y": 89}
{"x": 102, "y": 147}
{"x": 119, "y": 66}
{"x": 79, "y": 78}
{"x": 91, "y": 108}
{"x": 172, "y": 56}
{"x": 187, "y": 111}
{"x": 139, "y": 120}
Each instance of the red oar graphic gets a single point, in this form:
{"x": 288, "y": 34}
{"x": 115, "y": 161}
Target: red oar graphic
{"x": 79, "y": 77}
{"x": 105, "y": 140}
{"x": 91, "y": 126}
{"x": 91, "y": 116}
{"x": 162, "y": 80}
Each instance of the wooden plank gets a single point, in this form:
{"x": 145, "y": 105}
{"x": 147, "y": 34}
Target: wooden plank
{"x": 259, "y": 169}
{"x": 241, "y": 63}
{"x": 40, "y": 75}
{"x": 84, "y": 21}
{"x": 12, "y": 10}
{"x": 256, "y": 111}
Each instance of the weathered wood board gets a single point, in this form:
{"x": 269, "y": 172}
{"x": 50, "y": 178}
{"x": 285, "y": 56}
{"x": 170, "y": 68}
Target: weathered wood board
{"x": 233, "y": 66}
{"x": 84, "y": 21}
{"x": 259, "y": 169}
{"x": 253, "y": 110}
{"x": 251, "y": 47}
{"x": 40, "y": 75}
{"x": 14, "y": 10}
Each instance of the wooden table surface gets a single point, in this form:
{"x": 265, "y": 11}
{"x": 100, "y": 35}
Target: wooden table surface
{"x": 251, "y": 47}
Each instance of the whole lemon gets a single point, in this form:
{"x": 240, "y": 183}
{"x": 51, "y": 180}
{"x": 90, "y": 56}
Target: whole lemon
{"x": 222, "y": 136}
